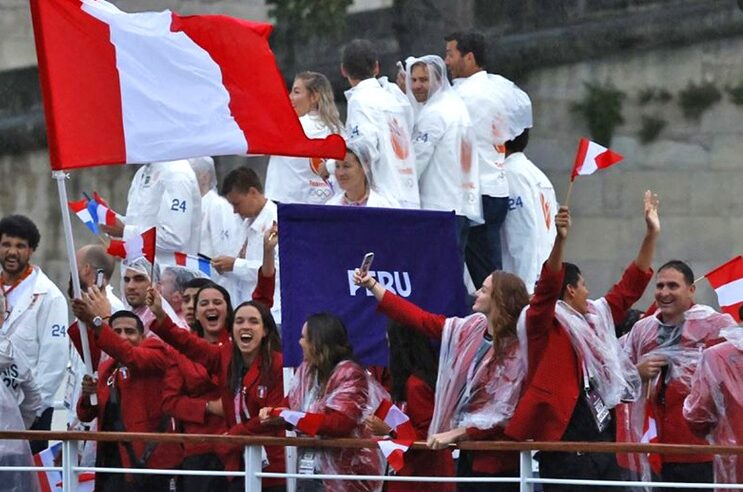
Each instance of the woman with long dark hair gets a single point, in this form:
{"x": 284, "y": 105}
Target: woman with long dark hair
{"x": 481, "y": 370}
{"x": 191, "y": 394}
{"x": 414, "y": 366}
{"x": 330, "y": 383}
{"x": 249, "y": 369}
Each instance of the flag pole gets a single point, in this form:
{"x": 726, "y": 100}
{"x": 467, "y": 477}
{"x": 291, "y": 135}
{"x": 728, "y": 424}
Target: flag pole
{"x": 60, "y": 177}
{"x": 570, "y": 192}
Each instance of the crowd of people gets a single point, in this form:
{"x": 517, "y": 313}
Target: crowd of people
{"x": 536, "y": 360}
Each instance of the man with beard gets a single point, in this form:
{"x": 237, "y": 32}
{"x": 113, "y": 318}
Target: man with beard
{"x": 35, "y": 314}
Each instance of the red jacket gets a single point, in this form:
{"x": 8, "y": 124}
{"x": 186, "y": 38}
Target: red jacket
{"x": 553, "y": 381}
{"x": 714, "y": 407}
{"x": 217, "y": 358}
{"x": 139, "y": 379}
{"x": 432, "y": 325}
{"x": 419, "y": 407}
{"x": 188, "y": 387}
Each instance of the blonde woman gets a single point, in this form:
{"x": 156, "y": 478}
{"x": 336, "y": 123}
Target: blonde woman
{"x": 299, "y": 179}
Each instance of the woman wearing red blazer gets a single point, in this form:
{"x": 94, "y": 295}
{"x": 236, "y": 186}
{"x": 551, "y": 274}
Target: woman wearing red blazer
{"x": 413, "y": 364}
{"x": 480, "y": 357}
{"x": 189, "y": 389}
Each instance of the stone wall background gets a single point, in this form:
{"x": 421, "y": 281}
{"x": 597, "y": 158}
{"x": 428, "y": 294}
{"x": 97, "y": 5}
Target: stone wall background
{"x": 695, "y": 166}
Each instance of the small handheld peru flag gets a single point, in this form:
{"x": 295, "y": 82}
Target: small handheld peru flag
{"x": 157, "y": 86}
{"x": 80, "y": 208}
{"x": 395, "y": 449}
{"x": 198, "y": 263}
{"x": 727, "y": 280}
{"x": 136, "y": 247}
{"x": 591, "y": 157}
{"x": 650, "y": 436}
{"x": 305, "y": 422}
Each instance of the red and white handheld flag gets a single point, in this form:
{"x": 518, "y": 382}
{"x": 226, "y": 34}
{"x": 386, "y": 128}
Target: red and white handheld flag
{"x": 156, "y": 86}
{"x": 51, "y": 481}
{"x": 394, "y": 452}
{"x": 404, "y": 432}
{"x": 136, "y": 247}
{"x": 305, "y": 422}
{"x": 727, "y": 280}
{"x": 396, "y": 419}
{"x": 591, "y": 157}
{"x": 650, "y": 436}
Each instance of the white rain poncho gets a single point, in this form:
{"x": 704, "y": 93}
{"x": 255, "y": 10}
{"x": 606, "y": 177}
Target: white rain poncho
{"x": 351, "y": 391}
{"x": 715, "y": 404}
{"x": 610, "y": 372}
{"x": 476, "y": 388}
{"x": 16, "y": 387}
{"x": 444, "y": 140}
{"x": 682, "y": 348}
{"x": 379, "y": 112}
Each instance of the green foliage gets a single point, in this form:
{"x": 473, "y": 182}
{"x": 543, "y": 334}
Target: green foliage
{"x": 654, "y": 94}
{"x": 736, "y": 94}
{"x": 305, "y": 19}
{"x": 696, "y": 99}
{"x": 601, "y": 108}
{"x": 651, "y": 128}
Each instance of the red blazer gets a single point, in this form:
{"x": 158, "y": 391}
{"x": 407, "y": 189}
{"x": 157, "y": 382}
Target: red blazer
{"x": 188, "y": 387}
{"x": 216, "y": 359}
{"x": 419, "y": 407}
{"x": 432, "y": 325}
{"x": 141, "y": 382}
{"x": 554, "y": 378}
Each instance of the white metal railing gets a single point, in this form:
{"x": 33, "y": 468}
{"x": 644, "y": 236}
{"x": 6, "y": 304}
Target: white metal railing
{"x": 253, "y": 473}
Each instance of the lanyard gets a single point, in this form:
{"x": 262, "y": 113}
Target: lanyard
{"x": 241, "y": 408}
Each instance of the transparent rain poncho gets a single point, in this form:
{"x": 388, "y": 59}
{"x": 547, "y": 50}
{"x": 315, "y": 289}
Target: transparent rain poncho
{"x": 611, "y": 373}
{"x": 351, "y": 391}
{"x": 15, "y": 373}
{"x": 715, "y": 404}
{"x": 471, "y": 394}
{"x": 438, "y": 83}
{"x": 681, "y": 347}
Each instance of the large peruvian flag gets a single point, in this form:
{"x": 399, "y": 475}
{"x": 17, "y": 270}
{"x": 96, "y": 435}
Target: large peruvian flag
{"x": 158, "y": 86}
{"x": 727, "y": 280}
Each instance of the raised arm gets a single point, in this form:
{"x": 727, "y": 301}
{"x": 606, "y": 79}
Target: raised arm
{"x": 187, "y": 343}
{"x": 401, "y": 310}
{"x": 644, "y": 258}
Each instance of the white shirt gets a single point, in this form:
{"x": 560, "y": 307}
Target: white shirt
{"x": 249, "y": 258}
{"x": 480, "y": 93}
{"x": 291, "y": 179}
{"x": 447, "y": 163}
{"x": 528, "y": 232}
{"x": 220, "y": 226}
{"x": 166, "y": 195}
{"x": 37, "y": 327}
{"x": 380, "y": 113}
{"x": 373, "y": 200}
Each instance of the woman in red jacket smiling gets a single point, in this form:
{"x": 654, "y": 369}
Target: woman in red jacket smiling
{"x": 481, "y": 370}
{"x": 192, "y": 396}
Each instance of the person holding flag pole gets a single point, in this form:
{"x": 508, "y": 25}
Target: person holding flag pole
{"x": 577, "y": 371}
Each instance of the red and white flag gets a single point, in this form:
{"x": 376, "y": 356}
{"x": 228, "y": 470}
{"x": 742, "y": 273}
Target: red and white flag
{"x": 156, "y": 86}
{"x": 51, "y": 481}
{"x": 727, "y": 280}
{"x": 650, "y": 436}
{"x": 404, "y": 432}
{"x": 394, "y": 452}
{"x": 135, "y": 247}
{"x": 307, "y": 423}
{"x": 591, "y": 157}
{"x": 396, "y": 419}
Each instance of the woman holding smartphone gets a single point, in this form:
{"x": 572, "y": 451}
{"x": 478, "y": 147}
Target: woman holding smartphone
{"x": 481, "y": 371}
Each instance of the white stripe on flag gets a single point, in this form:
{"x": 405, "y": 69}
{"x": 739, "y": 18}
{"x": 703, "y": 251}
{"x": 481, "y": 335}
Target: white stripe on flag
{"x": 730, "y": 293}
{"x": 395, "y": 417}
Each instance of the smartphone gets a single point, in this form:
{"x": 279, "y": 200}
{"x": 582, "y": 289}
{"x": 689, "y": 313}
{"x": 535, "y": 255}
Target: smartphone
{"x": 99, "y": 278}
{"x": 366, "y": 263}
